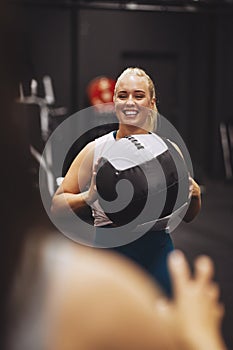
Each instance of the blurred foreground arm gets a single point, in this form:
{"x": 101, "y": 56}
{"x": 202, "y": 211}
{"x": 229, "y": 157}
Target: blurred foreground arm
{"x": 195, "y": 313}
{"x": 101, "y": 301}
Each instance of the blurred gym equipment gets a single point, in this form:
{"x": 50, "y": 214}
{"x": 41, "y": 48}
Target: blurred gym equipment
{"x": 46, "y": 112}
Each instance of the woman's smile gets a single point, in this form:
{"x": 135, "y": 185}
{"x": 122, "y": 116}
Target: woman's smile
{"x": 130, "y": 112}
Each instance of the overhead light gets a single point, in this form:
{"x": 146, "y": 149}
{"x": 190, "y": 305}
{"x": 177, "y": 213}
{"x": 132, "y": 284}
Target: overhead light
{"x": 131, "y": 6}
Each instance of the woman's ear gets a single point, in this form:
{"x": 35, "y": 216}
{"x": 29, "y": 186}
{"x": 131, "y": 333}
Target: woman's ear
{"x": 153, "y": 103}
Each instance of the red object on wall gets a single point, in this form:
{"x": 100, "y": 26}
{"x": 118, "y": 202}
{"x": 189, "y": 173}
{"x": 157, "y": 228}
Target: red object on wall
{"x": 100, "y": 90}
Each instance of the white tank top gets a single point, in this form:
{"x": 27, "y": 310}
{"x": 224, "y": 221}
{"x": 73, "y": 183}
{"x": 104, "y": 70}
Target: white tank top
{"x": 101, "y": 144}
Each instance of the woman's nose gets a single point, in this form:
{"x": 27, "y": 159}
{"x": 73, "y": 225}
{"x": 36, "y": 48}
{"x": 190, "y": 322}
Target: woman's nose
{"x": 130, "y": 100}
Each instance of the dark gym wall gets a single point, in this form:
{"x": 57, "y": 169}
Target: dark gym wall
{"x": 168, "y": 46}
{"x": 221, "y": 102}
{"x": 188, "y": 55}
{"x": 45, "y": 33}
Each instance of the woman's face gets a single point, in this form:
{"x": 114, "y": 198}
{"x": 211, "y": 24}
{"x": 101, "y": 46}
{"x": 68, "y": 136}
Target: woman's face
{"x": 132, "y": 101}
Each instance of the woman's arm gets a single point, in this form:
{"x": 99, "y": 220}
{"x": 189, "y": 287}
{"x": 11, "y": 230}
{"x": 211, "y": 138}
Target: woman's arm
{"x": 195, "y": 201}
{"x": 72, "y": 194}
{"x": 195, "y": 194}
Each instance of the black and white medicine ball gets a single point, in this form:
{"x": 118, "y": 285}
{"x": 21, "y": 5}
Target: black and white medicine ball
{"x": 141, "y": 178}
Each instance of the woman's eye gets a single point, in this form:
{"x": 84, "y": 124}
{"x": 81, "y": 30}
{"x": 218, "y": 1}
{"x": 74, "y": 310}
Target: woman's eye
{"x": 125, "y": 96}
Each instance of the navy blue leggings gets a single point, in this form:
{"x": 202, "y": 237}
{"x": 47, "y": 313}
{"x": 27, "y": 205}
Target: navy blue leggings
{"x": 150, "y": 251}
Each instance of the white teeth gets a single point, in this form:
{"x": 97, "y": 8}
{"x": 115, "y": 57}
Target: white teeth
{"x": 130, "y": 112}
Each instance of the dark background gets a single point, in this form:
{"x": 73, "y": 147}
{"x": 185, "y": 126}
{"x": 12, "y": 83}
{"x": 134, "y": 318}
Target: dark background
{"x": 186, "y": 47}
{"x": 188, "y": 51}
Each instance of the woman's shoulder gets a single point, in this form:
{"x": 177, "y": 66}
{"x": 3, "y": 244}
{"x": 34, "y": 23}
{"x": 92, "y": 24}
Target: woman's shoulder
{"x": 90, "y": 149}
{"x": 105, "y": 137}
